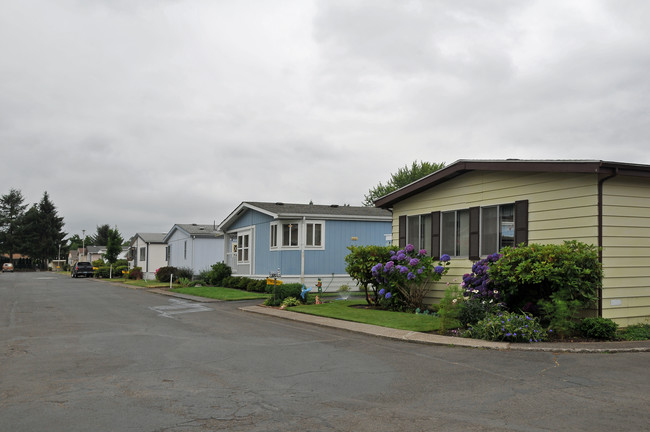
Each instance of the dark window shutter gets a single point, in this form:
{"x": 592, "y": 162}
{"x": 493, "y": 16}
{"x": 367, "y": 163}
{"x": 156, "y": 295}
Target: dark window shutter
{"x": 521, "y": 222}
{"x": 474, "y": 234}
{"x": 402, "y": 231}
{"x": 435, "y": 235}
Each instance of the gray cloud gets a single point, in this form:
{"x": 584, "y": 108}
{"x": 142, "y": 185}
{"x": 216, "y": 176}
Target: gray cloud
{"x": 174, "y": 112}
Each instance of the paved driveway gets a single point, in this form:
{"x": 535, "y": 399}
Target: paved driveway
{"x": 81, "y": 355}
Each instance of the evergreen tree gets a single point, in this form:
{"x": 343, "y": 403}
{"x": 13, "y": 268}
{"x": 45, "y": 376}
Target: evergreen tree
{"x": 104, "y": 232}
{"x": 42, "y": 230}
{"x": 404, "y": 176}
{"x": 12, "y": 210}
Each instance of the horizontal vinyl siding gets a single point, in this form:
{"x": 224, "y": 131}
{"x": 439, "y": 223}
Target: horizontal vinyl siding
{"x": 561, "y": 207}
{"x": 626, "y": 250}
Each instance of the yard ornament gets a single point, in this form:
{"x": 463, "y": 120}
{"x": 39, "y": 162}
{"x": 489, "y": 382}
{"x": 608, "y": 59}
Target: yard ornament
{"x": 304, "y": 292}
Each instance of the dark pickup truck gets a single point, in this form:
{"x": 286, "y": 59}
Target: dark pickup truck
{"x": 82, "y": 269}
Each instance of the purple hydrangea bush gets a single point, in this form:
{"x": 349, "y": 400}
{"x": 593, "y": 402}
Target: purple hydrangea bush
{"x": 404, "y": 278}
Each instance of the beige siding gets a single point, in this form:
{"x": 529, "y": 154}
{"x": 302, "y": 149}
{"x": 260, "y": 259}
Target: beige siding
{"x": 626, "y": 250}
{"x": 561, "y": 207}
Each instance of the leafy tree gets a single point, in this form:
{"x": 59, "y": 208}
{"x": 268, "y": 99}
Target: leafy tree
{"x": 12, "y": 210}
{"x": 113, "y": 245}
{"x": 404, "y": 176}
{"x": 41, "y": 230}
{"x": 359, "y": 264}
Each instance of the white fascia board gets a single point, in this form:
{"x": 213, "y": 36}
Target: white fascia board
{"x": 336, "y": 217}
{"x": 223, "y": 226}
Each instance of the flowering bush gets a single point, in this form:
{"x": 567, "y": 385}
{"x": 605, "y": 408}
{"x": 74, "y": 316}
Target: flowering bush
{"x": 477, "y": 284}
{"x": 473, "y": 310}
{"x": 404, "y": 277}
{"x": 508, "y": 327}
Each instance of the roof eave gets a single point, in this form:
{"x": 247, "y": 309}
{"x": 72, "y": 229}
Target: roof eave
{"x": 463, "y": 166}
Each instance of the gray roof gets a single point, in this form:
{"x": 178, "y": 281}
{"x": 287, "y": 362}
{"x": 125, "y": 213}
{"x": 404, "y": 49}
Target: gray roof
{"x": 152, "y": 237}
{"x": 280, "y": 210}
{"x": 288, "y": 209}
{"x": 196, "y": 230}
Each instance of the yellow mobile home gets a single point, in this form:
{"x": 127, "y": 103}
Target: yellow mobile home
{"x": 473, "y": 208}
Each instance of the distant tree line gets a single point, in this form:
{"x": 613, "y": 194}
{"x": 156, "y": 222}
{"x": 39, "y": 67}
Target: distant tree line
{"x": 36, "y": 232}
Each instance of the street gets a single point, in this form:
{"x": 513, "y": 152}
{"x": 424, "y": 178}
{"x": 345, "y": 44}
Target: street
{"x": 87, "y": 355}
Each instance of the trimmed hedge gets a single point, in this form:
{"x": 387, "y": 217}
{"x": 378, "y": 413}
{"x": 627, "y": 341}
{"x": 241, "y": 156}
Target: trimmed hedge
{"x": 281, "y": 292}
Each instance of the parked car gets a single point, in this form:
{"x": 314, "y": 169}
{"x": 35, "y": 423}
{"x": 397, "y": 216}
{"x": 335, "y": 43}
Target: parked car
{"x": 7, "y": 267}
{"x": 82, "y": 268}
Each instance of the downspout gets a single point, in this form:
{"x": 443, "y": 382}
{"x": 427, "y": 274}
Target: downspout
{"x": 302, "y": 251}
{"x": 600, "y": 232}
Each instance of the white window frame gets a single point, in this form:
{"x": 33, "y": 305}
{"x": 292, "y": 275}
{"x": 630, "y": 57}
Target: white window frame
{"x": 456, "y": 233}
{"x": 275, "y": 235}
{"x": 281, "y": 239}
{"x": 499, "y": 227}
{"x": 313, "y": 224}
{"x": 243, "y": 248}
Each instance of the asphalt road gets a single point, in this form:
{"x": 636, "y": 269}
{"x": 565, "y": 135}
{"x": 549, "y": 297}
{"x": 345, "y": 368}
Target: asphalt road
{"x": 83, "y": 355}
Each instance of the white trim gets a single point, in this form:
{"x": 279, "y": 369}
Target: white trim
{"x": 322, "y": 234}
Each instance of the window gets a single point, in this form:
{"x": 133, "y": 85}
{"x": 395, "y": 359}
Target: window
{"x": 472, "y": 232}
{"x": 143, "y": 253}
{"x": 185, "y": 250}
{"x": 242, "y": 248}
{"x": 289, "y": 234}
{"x": 314, "y": 234}
{"x": 168, "y": 251}
{"x": 418, "y": 230}
{"x": 497, "y": 228}
{"x": 310, "y": 234}
{"x": 455, "y": 233}
{"x": 274, "y": 235}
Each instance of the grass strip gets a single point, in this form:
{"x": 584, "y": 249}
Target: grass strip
{"x": 220, "y": 293}
{"x": 345, "y": 310}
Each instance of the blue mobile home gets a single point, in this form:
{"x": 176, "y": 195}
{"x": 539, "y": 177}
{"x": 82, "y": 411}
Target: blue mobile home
{"x": 303, "y": 242}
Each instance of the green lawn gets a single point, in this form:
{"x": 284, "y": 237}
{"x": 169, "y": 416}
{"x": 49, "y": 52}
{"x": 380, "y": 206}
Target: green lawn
{"x": 141, "y": 283}
{"x": 342, "y": 309}
{"x": 220, "y": 293}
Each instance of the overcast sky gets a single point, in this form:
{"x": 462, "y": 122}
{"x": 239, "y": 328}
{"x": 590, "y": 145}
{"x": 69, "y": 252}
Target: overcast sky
{"x": 145, "y": 113}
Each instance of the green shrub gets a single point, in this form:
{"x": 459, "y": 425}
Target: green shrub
{"x": 280, "y": 292}
{"x": 359, "y": 264}
{"x": 98, "y": 263}
{"x": 256, "y": 285}
{"x": 472, "y": 310}
{"x": 242, "y": 282}
{"x": 508, "y": 327}
{"x": 135, "y": 273}
{"x": 636, "y": 332}
{"x": 449, "y": 308}
{"x": 184, "y": 273}
{"x": 218, "y": 273}
{"x": 554, "y": 281}
{"x": 120, "y": 271}
{"x": 103, "y": 272}
{"x": 290, "y": 301}
{"x": 227, "y": 282}
{"x": 163, "y": 274}
{"x": 598, "y": 328}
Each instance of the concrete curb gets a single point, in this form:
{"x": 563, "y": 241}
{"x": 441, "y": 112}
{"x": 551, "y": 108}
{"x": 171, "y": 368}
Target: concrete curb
{"x": 429, "y": 338}
{"x": 433, "y": 339}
